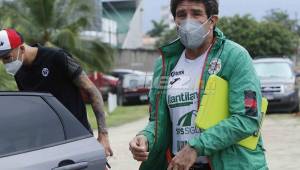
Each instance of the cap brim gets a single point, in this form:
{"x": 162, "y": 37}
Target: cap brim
{"x": 3, "y": 53}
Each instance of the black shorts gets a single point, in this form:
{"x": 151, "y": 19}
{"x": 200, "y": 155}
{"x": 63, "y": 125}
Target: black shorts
{"x": 199, "y": 166}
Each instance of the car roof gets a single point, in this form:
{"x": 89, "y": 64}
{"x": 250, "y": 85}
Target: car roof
{"x": 129, "y": 71}
{"x": 19, "y": 93}
{"x": 272, "y": 60}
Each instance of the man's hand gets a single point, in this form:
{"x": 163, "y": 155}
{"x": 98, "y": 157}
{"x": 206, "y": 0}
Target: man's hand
{"x": 103, "y": 139}
{"x": 184, "y": 159}
{"x": 139, "y": 148}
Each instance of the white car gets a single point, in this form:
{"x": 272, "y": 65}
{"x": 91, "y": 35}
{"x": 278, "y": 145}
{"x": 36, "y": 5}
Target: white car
{"x": 278, "y": 83}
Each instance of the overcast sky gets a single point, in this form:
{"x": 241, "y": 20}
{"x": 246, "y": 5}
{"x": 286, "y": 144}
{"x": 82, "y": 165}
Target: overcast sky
{"x": 257, "y": 8}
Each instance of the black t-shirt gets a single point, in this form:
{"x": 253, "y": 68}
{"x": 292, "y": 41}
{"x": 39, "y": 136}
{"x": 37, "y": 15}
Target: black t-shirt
{"x": 54, "y": 71}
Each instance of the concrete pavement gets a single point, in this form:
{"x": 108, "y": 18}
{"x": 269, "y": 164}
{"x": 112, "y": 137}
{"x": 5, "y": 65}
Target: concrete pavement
{"x": 281, "y": 134}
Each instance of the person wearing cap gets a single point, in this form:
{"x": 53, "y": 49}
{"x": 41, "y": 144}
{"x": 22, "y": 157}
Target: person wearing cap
{"x": 171, "y": 139}
{"x": 42, "y": 69}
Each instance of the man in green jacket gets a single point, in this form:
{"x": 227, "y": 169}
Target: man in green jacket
{"x": 171, "y": 140}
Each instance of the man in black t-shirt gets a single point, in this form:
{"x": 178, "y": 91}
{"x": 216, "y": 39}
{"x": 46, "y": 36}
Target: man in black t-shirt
{"x": 42, "y": 69}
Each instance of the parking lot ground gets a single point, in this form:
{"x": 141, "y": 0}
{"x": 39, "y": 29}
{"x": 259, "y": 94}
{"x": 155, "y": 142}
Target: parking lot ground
{"x": 281, "y": 134}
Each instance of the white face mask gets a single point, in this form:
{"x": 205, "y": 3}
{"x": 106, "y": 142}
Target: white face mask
{"x": 14, "y": 66}
{"x": 192, "y": 33}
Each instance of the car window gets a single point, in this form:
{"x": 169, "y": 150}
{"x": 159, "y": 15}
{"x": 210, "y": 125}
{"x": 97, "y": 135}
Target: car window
{"x": 27, "y": 123}
{"x": 74, "y": 130}
{"x": 133, "y": 83}
{"x": 275, "y": 69}
{"x": 149, "y": 80}
{"x": 137, "y": 81}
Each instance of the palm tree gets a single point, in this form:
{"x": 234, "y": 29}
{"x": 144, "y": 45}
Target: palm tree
{"x": 159, "y": 27}
{"x": 58, "y": 23}
{"x": 167, "y": 37}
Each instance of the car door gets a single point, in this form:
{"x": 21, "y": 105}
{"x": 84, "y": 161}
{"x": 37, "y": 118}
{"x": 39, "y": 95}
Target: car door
{"x": 35, "y": 137}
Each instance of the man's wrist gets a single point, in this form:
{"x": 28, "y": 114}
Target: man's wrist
{"x": 192, "y": 145}
{"x": 192, "y": 149}
{"x": 146, "y": 140}
{"x": 103, "y": 131}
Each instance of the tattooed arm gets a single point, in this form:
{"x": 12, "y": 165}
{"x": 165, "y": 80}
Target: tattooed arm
{"x": 83, "y": 82}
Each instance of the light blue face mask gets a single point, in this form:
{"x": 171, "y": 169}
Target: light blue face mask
{"x": 192, "y": 33}
{"x": 13, "y": 67}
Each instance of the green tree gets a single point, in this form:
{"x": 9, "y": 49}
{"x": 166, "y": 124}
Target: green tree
{"x": 7, "y": 82}
{"x": 266, "y": 38}
{"x": 167, "y": 37}
{"x": 274, "y": 39}
{"x": 282, "y": 17}
{"x": 158, "y": 28}
{"x": 58, "y": 23}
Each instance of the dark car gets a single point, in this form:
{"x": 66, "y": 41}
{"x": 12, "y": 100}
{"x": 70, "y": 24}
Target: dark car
{"x": 39, "y": 133}
{"x": 278, "y": 83}
{"x": 134, "y": 88}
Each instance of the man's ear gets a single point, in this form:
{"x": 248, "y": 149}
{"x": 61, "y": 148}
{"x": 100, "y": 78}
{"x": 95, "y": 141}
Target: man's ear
{"x": 22, "y": 48}
{"x": 214, "y": 19}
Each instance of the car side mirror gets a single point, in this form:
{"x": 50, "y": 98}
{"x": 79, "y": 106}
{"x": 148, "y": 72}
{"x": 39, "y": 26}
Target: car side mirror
{"x": 297, "y": 74}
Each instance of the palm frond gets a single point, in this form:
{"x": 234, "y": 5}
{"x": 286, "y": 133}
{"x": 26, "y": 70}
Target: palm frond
{"x": 96, "y": 54}
{"x": 58, "y": 23}
{"x": 65, "y": 38}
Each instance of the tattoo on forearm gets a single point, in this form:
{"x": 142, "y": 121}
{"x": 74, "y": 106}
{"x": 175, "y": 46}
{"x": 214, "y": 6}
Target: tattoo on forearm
{"x": 96, "y": 99}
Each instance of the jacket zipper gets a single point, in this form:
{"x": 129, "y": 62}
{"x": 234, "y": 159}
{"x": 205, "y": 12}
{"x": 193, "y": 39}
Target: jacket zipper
{"x": 202, "y": 73}
{"x": 200, "y": 86}
{"x": 159, "y": 94}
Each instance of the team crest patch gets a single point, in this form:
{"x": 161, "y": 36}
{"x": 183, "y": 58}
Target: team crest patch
{"x": 215, "y": 66}
{"x": 45, "y": 72}
{"x": 250, "y": 103}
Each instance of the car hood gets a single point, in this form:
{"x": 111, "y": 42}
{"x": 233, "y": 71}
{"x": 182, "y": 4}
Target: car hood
{"x": 277, "y": 80}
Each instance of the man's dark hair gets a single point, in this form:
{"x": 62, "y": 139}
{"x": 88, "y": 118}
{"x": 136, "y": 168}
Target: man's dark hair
{"x": 211, "y": 6}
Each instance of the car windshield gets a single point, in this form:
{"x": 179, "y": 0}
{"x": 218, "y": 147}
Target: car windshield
{"x": 137, "y": 81}
{"x": 276, "y": 69}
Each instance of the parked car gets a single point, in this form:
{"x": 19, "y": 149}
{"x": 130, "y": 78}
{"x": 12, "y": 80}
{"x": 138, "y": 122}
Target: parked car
{"x": 119, "y": 73}
{"x": 104, "y": 83}
{"x": 134, "y": 88}
{"x": 278, "y": 83}
{"x": 39, "y": 133}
